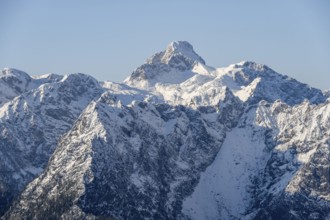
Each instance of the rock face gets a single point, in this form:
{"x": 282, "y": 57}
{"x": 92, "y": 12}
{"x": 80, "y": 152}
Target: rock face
{"x": 297, "y": 174}
{"x": 267, "y": 167}
{"x": 177, "y": 140}
{"x": 152, "y": 153}
{"x": 32, "y": 123}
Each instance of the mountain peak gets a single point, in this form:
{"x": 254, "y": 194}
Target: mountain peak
{"x": 180, "y": 44}
{"x": 177, "y": 51}
{"x": 9, "y": 72}
{"x": 173, "y": 65}
{"x": 182, "y": 48}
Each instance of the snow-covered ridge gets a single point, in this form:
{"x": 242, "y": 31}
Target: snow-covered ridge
{"x": 14, "y": 82}
{"x": 177, "y": 140}
{"x": 180, "y": 76}
{"x": 8, "y": 72}
{"x": 249, "y": 81}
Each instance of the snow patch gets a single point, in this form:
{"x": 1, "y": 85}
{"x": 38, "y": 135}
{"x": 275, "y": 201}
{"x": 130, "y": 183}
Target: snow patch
{"x": 222, "y": 192}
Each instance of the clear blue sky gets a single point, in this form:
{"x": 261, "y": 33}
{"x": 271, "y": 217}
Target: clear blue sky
{"x": 109, "y": 39}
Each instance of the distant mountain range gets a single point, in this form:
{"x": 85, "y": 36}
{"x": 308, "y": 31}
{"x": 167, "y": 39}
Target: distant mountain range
{"x": 177, "y": 139}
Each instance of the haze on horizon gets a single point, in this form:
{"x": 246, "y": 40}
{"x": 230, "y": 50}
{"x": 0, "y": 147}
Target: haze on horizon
{"x": 109, "y": 39}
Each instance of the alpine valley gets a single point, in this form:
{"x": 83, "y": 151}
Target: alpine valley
{"x": 177, "y": 139}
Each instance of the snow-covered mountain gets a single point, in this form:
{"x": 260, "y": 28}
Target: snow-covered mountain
{"x": 32, "y": 123}
{"x": 273, "y": 165}
{"x": 177, "y": 140}
{"x": 180, "y": 76}
{"x": 14, "y": 82}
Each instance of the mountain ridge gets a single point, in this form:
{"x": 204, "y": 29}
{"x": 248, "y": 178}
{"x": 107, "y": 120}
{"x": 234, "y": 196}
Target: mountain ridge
{"x": 161, "y": 144}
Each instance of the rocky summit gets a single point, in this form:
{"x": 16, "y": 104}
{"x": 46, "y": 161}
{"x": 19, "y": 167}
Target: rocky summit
{"x": 178, "y": 139}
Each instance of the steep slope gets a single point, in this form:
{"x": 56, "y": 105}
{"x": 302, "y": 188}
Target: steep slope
{"x": 32, "y": 123}
{"x": 273, "y": 165}
{"x": 173, "y": 65}
{"x": 250, "y": 82}
{"x": 225, "y": 189}
{"x": 177, "y": 140}
{"x": 326, "y": 93}
{"x": 128, "y": 162}
{"x": 295, "y": 184}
